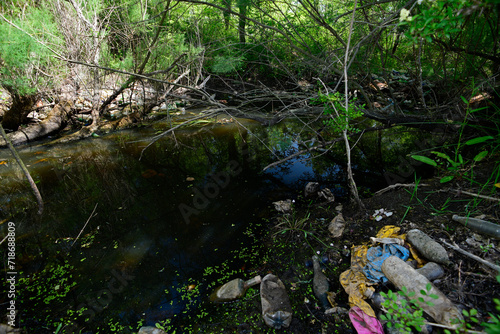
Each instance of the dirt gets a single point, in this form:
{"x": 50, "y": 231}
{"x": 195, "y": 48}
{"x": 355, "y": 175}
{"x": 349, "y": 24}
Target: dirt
{"x": 428, "y": 206}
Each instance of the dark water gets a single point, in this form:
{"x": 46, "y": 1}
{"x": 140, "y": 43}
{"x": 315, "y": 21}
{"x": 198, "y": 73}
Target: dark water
{"x": 125, "y": 231}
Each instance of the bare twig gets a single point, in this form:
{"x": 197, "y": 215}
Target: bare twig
{"x": 352, "y": 183}
{"x": 142, "y": 66}
{"x": 164, "y": 133}
{"x": 399, "y": 185}
{"x": 472, "y": 256}
{"x": 459, "y": 192}
{"x": 83, "y": 228}
{"x": 307, "y": 150}
{"x": 1, "y": 242}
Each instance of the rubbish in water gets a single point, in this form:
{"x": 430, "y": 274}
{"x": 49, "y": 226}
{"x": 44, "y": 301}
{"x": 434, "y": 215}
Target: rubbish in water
{"x": 311, "y": 189}
{"x": 276, "y": 307}
{"x": 283, "y": 206}
{"x": 151, "y": 330}
{"x": 320, "y": 284}
{"x": 337, "y": 226}
{"x": 233, "y": 290}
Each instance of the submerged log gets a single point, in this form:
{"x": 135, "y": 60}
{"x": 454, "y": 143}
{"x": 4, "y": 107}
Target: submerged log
{"x": 54, "y": 121}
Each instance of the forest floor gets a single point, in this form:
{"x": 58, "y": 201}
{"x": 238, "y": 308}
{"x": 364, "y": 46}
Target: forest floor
{"x": 292, "y": 241}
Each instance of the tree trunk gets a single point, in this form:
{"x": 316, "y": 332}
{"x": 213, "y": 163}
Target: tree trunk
{"x": 242, "y": 5}
{"x": 226, "y": 13}
{"x": 18, "y": 112}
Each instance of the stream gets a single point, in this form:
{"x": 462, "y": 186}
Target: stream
{"x": 126, "y": 229}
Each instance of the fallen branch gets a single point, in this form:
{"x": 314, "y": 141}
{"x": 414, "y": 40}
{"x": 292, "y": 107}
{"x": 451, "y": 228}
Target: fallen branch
{"x": 25, "y": 170}
{"x": 460, "y": 192}
{"x": 54, "y": 121}
{"x": 399, "y": 185}
{"x": 452, "y": 328}
{"x": 472, "y": 256}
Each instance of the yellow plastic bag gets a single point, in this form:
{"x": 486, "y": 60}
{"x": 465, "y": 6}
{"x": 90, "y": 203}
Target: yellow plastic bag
{"x": 355, "y": 282}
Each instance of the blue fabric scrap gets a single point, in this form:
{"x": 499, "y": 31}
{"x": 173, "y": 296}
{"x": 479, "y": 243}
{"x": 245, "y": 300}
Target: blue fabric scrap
{"x": 375, "y": 256}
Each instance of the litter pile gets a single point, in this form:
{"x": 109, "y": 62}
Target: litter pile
{"x": 394, "y": 258}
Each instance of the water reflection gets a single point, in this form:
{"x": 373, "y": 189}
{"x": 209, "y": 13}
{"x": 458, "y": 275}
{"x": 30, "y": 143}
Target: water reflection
{"x": 140, "y": 249}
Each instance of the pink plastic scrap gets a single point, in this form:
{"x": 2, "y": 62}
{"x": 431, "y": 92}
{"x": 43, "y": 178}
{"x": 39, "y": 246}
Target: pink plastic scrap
{"x": 363, "y": 323}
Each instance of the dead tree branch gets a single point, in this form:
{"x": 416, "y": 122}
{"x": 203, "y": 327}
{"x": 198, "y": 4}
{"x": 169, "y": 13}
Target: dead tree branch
{"x": 25, "y": 170}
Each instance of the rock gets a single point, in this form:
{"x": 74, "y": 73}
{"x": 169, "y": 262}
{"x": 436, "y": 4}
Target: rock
{"x": 311, "y": 189}
{"x": 337, "y": 226}
{"x": 283, "y": 206}
{"x": 320, "y": 284}
{"x": 276, "y": 307}
{"x": 426, "y": 246}
{"x": 151, "y": 330}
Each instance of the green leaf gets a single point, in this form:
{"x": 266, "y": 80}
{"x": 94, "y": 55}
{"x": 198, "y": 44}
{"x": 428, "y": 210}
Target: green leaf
{"x": 446, "y": 179}
{"x": 423, "y": 292}
{"x": 433, "y": 296}
{"x": 444, "y": 156}
{"x": 425, "y": 160}
{"x": 478, "y": 140}
{"x": 480, "y": 156}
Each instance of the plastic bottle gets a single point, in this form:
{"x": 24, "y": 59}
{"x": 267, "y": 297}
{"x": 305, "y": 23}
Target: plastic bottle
{"x": 320, "y": 284}
{"x": 276, "y": 307}
{"x": 431, "y": 271}
{"x": 233, "y": 289}
{"x": 402, "y": 275}
{"x": 479, "y": 225}
{"x": 426, "y": 246}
